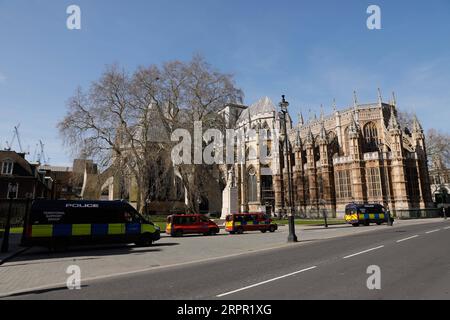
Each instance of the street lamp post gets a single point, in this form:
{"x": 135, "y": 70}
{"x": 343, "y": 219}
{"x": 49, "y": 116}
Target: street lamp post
{"x": 5, "y": 243}
{"x": 292, "y": 236}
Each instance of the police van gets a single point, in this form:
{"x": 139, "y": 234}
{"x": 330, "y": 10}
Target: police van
{"x": 364, "y": 214}
{"x": 239, "y": 223}
{"x": 59, "y": 224}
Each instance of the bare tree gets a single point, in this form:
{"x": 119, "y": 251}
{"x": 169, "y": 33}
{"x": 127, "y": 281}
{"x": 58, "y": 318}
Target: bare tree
{"x": 438, "y": 146}
{"x": 110, "y": 122}
{"x": 125, "y": 121}
{"x": 184, "y": 93}
{"x": 438, "y": 143}
{"x": 438, "y": 150}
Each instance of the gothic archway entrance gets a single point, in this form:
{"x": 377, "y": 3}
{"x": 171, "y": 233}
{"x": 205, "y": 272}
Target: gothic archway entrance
{"x": 267, "y": 194}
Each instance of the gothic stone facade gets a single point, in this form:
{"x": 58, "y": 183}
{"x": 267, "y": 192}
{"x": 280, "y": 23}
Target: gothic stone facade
{"x": 359, "y": 154}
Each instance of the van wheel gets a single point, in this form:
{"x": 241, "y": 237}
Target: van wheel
{"x": 272, "y": 229}
{"x": 264, "y": 231}
{"x": 145, "y": 240}
{"x": 240, "y": 231}
{"x": 232, "y": 232}
{"x": 355, "y": 224}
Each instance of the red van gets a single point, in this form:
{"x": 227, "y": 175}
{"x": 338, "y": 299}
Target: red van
{"x": 178, "y": 225}
{"x": 238, "y": 223}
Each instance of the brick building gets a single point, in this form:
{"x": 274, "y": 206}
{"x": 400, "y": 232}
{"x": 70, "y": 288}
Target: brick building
{"x": 28, "y": 180}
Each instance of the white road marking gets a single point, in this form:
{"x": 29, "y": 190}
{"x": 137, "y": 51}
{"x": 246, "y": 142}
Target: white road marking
{"x": 433, "y": 231}
{"x": 264, "y": 282}
{"x": 446, "y": 228}
{"x": 362, "y": 252}
{"x": 413, "y": 237}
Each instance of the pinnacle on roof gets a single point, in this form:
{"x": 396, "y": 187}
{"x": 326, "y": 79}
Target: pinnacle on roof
{"x": 380, "y": 97}
{"x": 417, "y": 127}
{"x": 323, "y": 132}
{"x": 394, "y": 99}
{"x": 355, "y": 100}
{"x": 393, "y": 122}
{"x": 301, "y": 121}
{"x": 298, "y": 140}
{"x": 309, "y": 136}
{"x": 353, "y": 129}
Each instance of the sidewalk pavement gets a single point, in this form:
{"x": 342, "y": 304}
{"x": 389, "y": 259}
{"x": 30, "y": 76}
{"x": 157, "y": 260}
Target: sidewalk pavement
{"x": 14, "y": 248}
{"x": 38, "y": 269}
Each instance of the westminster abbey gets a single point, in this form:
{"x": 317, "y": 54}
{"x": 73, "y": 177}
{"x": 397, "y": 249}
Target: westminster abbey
{"x": 357, "y": 154}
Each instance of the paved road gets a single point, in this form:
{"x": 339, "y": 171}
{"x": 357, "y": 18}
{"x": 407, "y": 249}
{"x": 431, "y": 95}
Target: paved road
{"x": 38, "y": 269}
{"x": 414, "y": 262}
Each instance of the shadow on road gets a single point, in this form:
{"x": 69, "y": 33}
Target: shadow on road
{"x": 85, "y": 253}
{"x": 318, "y": 228}
{"x": 196, "y": 236}
{"x": 43, "y": 291}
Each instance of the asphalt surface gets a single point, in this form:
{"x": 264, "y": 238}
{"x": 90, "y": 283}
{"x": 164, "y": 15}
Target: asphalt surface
{"x": 414, "y": 262}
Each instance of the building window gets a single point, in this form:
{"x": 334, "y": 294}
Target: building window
{"x": 13, "y": 191}
{"x": 252, "y": 186}
{"x": 371, "y": 137}
{"x": 346, "y": 143}
{"x": 306, "y": 188}
{"x": 7, "y": 167}
{"x": 413, "y": 184}
{"x": 373, "y": 182}
{"x": 320, "y": 186}
{"x": 343, "y": 184}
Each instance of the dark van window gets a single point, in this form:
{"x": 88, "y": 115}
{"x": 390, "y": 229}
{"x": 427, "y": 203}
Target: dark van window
{"x": 374, "y": 209}
{"x": 97, "y": 216}
{"x": 177, "y": 220}
{"x": 192, "y": 220}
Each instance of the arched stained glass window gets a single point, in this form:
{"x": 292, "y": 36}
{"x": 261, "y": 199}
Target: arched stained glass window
{"x": 371, "y": 137}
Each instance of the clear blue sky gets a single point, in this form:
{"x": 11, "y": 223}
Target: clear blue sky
{"x": 312, "y": 51}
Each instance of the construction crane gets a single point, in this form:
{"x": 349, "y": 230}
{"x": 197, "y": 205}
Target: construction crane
{"x": 16, "y": 135}
{"x": 40, "y": 156}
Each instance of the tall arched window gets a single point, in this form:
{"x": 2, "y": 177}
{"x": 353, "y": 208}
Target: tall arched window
{"x": 371, "y": 137}
{"x": 266, "y": 128}
{"x": 346, "y": 143}
{"x": 252, "y": 187}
